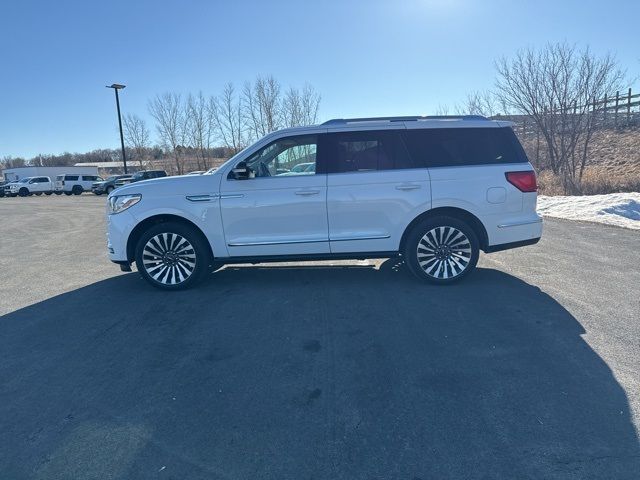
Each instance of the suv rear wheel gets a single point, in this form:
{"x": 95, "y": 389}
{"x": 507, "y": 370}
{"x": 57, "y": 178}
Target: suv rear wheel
{"x": 441, "y": 250}
{"x": 77, "y": 190}
{"x": 172, "y": 256}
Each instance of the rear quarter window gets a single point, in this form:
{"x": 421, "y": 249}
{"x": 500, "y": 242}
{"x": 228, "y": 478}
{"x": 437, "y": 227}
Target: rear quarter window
{"x": 446, "y": 147}
{"x": 71, "y": 178}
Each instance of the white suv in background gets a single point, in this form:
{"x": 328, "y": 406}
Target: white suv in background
{"x": 74, "y": 184}
{"x": 435, "y": 190}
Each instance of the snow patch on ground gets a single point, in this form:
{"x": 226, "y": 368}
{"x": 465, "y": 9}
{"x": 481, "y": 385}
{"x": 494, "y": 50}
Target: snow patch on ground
{"x": 620, "y": 209}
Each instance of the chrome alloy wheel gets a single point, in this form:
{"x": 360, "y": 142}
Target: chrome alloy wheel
{"x": 444, "y": 252}
{"x": 169, "y": 258}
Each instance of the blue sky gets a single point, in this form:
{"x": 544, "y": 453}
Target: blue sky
{"x": 366, "y": 57}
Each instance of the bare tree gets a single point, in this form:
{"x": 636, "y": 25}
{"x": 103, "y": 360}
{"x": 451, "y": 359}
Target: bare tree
{"x": 11, "y": 162}
{"x": 300, "y": 107}
{"x": 226, "y": 114}
{"x": 136, "y": 135}
{"x": 168, "y": 111}
{"x": 484, "y": 103}
{"x": 557, "y": 86}
{"x": 199, "y": 126}
{"x": 262, "y": 106}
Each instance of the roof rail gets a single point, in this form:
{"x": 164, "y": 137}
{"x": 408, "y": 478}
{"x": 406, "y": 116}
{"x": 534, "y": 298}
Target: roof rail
{"x": 339, "y": 121}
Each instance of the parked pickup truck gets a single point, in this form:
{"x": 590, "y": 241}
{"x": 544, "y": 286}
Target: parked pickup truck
{"x": 29, "y": 186}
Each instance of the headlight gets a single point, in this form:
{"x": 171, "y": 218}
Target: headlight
{"x": 119, "y": 203}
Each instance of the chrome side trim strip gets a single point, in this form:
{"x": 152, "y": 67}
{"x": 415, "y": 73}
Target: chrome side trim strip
{"x": 517, "y": 224}
{"x": 202, "y": 198}
{"x": 373, "y": 237}
{"x": 232, "y": 195}
{"x": 281, "y": 242}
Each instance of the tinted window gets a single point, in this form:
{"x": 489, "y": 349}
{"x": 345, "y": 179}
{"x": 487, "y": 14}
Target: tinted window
{"x": 438, "y": 147}
{"x": 366, "y": 151}
{"x": 71, "y": 178}
{"x": 43, "y": 180}
{"x": 89, "y": 178}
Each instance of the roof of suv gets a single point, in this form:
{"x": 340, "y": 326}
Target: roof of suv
{"x": 410, "y": 122}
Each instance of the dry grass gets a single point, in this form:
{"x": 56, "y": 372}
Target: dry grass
{"x": 613, "y": 164}
{"x": 595, "y": 181}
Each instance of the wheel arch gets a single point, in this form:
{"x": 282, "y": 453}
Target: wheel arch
{"x": 455, "y": 212}
{"x": 148, "y": 222}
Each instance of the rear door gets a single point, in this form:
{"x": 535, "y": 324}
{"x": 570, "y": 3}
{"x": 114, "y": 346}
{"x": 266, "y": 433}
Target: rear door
{"x": 374, "y": 190}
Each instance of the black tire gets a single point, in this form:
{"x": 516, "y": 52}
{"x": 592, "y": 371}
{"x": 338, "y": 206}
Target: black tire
{"x": 441, "y": 250}
{"x": 38, "y": 193}
{"x": 23, "y": 192}
{"x": 98, "y": 193}
{"x": 77, "y": 190}
{"x": 68, "y": 193}
{"x": 48, "y": 193}
{"x": 109, "y": 190}
{"x": 57, "y": 192}
{"x": 168, "y": 258}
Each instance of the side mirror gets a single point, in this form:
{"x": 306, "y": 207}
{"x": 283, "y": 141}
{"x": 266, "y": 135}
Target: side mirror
{"x": 241, "y": 171}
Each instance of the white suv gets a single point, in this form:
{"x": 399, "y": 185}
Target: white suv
{"x": 74, "y": 184}
{"x": 435, "y": 190}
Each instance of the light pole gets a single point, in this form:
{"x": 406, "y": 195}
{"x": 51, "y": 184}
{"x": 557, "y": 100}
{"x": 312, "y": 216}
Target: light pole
{"x": 116, "y": 87}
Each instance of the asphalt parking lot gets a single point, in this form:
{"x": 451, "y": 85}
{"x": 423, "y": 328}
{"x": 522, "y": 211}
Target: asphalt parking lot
{"x": 529, "y": 369}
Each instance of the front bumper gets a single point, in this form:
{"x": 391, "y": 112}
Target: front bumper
{"x": 119, "y": 227}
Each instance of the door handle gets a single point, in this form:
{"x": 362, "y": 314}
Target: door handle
{"x": 307, "y": 192}
{"x": 407, "y": 186}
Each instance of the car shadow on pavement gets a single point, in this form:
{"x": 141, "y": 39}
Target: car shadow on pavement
{"x": 336, "y": 372}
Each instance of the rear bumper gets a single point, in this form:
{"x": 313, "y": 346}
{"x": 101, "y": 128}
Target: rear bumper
{"x": 510, "y": 245}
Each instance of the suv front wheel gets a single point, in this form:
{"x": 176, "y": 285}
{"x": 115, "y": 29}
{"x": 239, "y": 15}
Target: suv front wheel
{"x": 172, "y": 256}
{"x": 441, "y": 250}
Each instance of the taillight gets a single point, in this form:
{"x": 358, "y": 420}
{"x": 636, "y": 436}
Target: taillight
{"x": 523, "y": 181}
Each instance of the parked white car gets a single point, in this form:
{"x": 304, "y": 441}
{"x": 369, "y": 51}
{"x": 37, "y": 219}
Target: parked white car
{"x": 29, "y": 186}
{"x": 435, "y": 190}
{"x": 74, "y": 184}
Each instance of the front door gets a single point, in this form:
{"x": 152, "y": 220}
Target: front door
{"x": 280, "y": 209}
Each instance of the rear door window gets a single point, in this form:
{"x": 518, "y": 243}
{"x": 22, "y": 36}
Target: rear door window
{"x": 71, "y": 178}
{"x": 446, "y": 147}
{"x": 366, "y": 151}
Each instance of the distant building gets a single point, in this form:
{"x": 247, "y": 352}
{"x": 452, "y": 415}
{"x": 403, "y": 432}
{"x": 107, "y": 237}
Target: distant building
{"x": 114, "y": 168}
{"x": 18, "y": 173}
